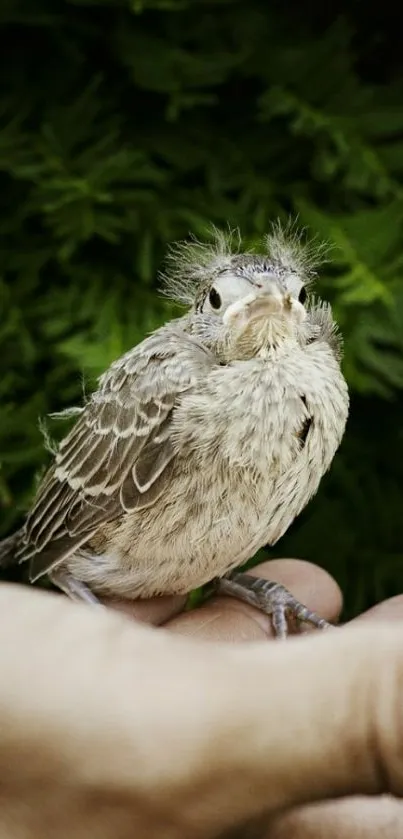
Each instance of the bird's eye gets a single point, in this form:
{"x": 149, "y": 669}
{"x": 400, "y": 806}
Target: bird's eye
{"x": 302, "y": 295}
{"x": 215, "y": 299}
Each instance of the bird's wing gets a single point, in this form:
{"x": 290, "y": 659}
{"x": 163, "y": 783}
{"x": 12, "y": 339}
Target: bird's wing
{"x": 119, "y": 456}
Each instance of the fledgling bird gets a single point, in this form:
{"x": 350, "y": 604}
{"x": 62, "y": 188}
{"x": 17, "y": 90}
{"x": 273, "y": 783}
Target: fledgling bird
{"x": 202, "y": 443}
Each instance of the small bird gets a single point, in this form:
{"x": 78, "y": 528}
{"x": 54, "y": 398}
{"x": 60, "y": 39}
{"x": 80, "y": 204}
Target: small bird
{"x": 203, "y": 442}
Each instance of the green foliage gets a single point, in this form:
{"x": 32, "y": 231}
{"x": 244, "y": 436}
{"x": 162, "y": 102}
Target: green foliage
{"x": 125, "y": 124}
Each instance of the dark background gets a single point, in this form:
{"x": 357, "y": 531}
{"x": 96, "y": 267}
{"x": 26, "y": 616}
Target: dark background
{"x": 126, "y": 125}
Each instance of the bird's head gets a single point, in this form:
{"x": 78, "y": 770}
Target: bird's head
{"x": 261, "y": 299}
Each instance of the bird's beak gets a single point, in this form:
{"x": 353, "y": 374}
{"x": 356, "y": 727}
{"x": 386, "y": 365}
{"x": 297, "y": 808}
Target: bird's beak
{"x": 260, "y": 306}
{"x": 266, "y": 303}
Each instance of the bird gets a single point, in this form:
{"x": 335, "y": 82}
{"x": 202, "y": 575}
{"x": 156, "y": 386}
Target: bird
{"x": 203, "y": 442}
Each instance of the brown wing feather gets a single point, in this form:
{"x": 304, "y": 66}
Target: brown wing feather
{"x": 117, "y": 457}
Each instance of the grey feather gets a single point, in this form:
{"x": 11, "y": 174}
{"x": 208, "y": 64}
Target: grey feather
{"x": 120, "y": 443}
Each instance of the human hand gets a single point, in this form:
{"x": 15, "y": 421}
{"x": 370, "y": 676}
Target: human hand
{"x": 226, "y": 619}
{"x": 113, "y": 729}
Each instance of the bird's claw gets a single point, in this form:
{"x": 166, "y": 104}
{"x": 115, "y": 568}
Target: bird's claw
{"x": 271, "y": 598}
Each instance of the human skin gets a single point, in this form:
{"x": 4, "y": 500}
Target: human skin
{"x": 113, "y": 729}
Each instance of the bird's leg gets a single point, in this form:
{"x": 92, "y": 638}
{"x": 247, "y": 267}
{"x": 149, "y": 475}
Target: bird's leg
{"x": 74, "y": 589}
{"x": 271, "y": 598}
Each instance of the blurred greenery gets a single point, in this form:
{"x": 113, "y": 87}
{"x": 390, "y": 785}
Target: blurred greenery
{"x": 125, "y": 125}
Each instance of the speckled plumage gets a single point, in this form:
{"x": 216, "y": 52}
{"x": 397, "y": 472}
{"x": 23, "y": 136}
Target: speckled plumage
{"x": 205, "y": 441}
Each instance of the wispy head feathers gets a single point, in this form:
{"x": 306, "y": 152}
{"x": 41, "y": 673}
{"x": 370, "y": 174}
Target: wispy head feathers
{"x": 191, "y": 266}
{"x": 290, "y": 249}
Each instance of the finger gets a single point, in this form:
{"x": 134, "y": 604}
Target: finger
{"x": 336, "y": 701}
{"x": 156, "y": 610}
{"x": 357, "y": 817}
{"x": 354, "y": 817}
{"x": 226, "y": 619}
{"x": 389, "y": 610}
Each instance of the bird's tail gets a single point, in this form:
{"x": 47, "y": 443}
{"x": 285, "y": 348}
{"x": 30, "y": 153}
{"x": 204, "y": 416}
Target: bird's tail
{"x": 8, "y": 548}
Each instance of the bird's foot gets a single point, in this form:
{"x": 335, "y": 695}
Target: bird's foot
{"x": 272, "y": 599}
{"x": 74, "y": 589}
